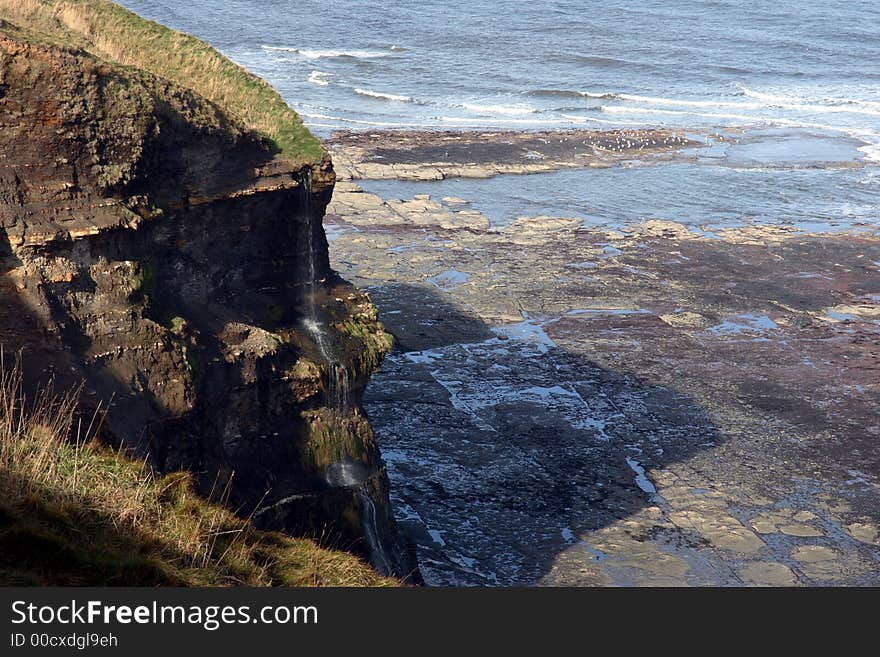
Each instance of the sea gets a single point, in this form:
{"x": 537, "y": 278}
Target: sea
{"x": 795, "y": 86}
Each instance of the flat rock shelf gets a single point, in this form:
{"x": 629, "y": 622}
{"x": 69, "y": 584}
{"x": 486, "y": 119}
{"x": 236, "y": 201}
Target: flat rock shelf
{"x": 640, "y": 405}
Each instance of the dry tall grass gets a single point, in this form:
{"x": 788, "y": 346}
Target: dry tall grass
{"x": 74, "y": 512}
{"x": 118, "y": 35}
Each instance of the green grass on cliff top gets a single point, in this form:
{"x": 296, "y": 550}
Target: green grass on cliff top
{"x": 118, "y": 35}
{"x": 78, "y": 514}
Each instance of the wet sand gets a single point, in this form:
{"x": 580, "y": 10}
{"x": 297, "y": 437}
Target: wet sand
{"x": 643, "y": 406}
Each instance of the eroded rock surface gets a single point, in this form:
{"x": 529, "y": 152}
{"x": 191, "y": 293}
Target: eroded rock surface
{"x": 415, "y": 155}
{"x": 156, "y": 251}
{"x": 642, "y": 406}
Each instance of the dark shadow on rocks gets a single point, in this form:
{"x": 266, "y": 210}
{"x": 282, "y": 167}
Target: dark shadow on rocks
{"x": 174, "y": 336}
{"x": 502, "y": 451}
{"x": 419, "y": 319}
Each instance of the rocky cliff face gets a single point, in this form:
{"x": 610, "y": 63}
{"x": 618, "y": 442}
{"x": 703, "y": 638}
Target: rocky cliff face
{"x": 158, "y": 253}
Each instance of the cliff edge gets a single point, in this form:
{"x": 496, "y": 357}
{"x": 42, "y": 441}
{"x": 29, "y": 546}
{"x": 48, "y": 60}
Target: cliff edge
{"x": 161, "y": 245}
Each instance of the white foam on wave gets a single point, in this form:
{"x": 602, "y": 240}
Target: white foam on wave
{"x": 825, "y": 105}
{"x": 465, "y": 122}
{"x": 872, "y": 177}
{"x": 438, "y": 121}
{"x": 503, "y": 110}
{"x": 383, "y": 96}
{"x": 767, "y": 101}
{"x": 318, "y": 78}
{"x": 599, "y": 95}
{"x": 312, "y": 115}
{"x": 592, "y": 119}
{"x": 770, "y": 98}
{"x": 681, "y": 102}
{"x": 871, "y": 151}
{"x": 851, "y": 101}
{"x": 319, "y": 54}
{"x": 326, "y": 117}
{"x": 567, "y": 93}
{"x": 615, "y": 109}
{"x": 871, "y": 140}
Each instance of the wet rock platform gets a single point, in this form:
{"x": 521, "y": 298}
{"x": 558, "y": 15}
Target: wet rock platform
{"x": 644, "y": 405}
{"x": 435, "y": 155}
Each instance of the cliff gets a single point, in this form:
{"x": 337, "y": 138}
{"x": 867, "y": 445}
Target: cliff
{"x": 75, "y": 512}
{"x": 164, "y": 249}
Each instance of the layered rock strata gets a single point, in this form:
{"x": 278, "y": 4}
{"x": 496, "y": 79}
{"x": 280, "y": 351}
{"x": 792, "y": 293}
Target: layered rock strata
{"x": 162, "y": 256}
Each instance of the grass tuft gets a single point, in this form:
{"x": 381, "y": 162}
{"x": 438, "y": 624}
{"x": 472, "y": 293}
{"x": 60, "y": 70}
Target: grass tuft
{"x": 77, "y": 513}
{"x": 116, "y": 34}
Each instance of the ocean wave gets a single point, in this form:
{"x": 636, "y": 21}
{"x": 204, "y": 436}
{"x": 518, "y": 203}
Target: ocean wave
{"x": 571, "y": 108}
{"x": 312, "y": 115}
{"x": 317, "y": 77}
{"x": 503, "y": 110}
{"x": 870, "y": 140}
{"x": 567, "y": 93}
{"x": 871, "y": 147}
{"x": 649, "y": 100}
{"x": 608, "y": 62}
{"x": 682, "y": 102}
{"x": 385, "y": 124}
{"x": 320, "y": 54}
{"x": 616, "y": 109}
{"x": 598, "y": 95}
{"x": 854, "y": 101}
{"x": 592, "y": 119}
{"x": 377, "y": 94}
{"x": 536, "y": 122}
{"x": 872, "y": 178}
{"x": 821, "y": 106}
{"x": 770, "y": 98}
{"x": 794, "y": 123}
{"x": 750, "y": 119}
{"x": 871, "y": 151}
{"x": 764, "y": 101}
{"x": 769, "y": 101}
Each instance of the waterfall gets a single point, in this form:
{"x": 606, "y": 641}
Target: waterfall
{"x": 342, "y": 474}
{"x": 371, "y": 532}
{"x": 339, "y": 387}
{"x": 357, "y": 477}
{"x": 337, "y": 373}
